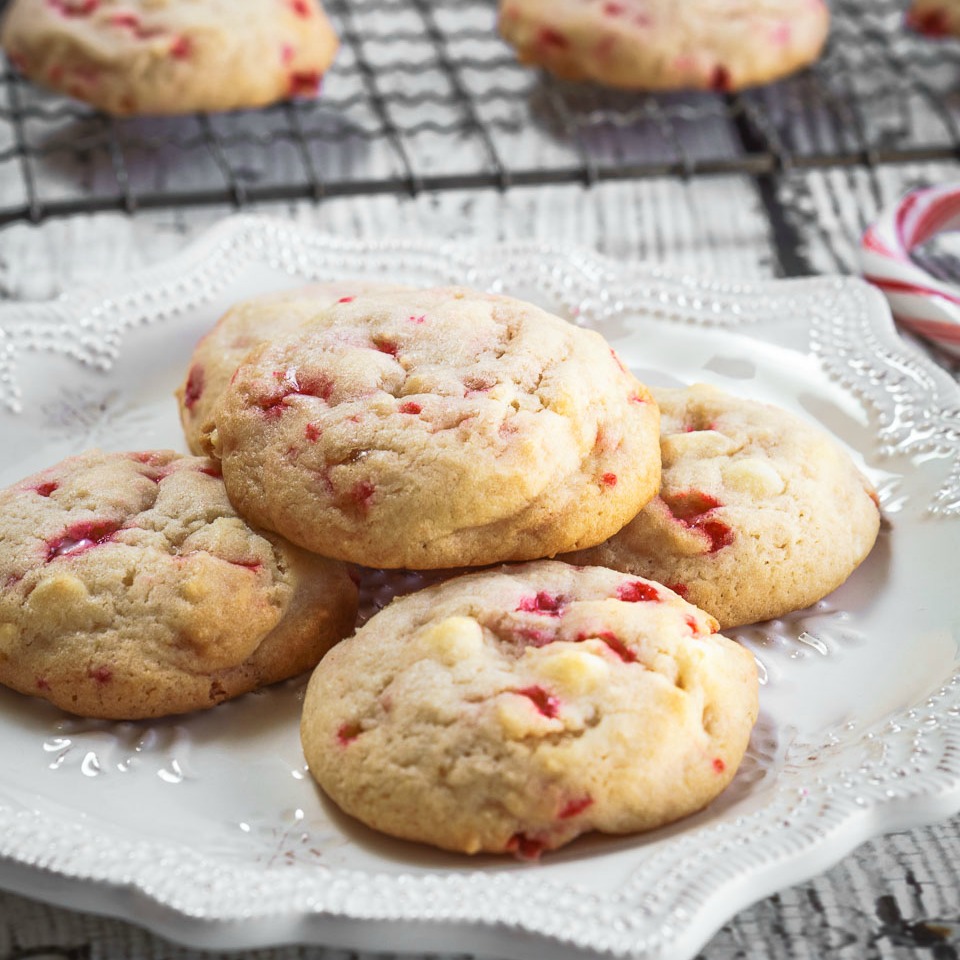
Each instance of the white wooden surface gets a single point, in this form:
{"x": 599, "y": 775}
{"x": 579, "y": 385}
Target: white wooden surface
{"x": 896, "y": 897}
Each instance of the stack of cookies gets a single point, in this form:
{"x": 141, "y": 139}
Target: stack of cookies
{"x": 573, "y": 680}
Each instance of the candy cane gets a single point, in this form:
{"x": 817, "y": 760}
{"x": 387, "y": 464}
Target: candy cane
{"x": 918, "y": 301}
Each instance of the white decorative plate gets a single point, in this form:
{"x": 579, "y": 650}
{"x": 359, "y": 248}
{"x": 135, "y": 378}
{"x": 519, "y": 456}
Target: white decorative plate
{"x": 207, "y": 829}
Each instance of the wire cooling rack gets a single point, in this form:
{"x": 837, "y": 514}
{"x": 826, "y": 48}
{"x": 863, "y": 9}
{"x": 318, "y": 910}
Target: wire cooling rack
{"x": 425, "y": 96}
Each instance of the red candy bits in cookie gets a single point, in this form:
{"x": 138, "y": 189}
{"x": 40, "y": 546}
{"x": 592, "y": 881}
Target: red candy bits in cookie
{"x": 132, "y": 589}
{"x": 243, "y": 326}
{"x": 743, "y": 526}
{"x": 172, "y": 58}
{"x": 491, "y": 431}
{"x": 665, "y": 44}
{"x": 524, "y": 742}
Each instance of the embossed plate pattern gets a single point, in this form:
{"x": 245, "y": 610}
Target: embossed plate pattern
{"x": 207, "y": 829}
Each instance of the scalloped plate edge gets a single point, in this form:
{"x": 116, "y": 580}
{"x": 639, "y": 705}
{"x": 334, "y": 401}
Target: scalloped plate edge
{"x": 493, "y": 935}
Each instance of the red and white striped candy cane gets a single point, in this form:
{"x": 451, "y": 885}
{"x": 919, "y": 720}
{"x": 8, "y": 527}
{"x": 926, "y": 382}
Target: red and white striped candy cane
{"x": 921, "y": 303}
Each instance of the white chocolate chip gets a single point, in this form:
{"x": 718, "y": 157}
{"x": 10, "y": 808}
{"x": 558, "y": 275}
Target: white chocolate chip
{"x": 194, "y": 589}
{"x": 696, "y": 443}
{"x": 754, "y": 477}
{"x": 576, "y": 671}
{"x": 63, "y": 602}
{"x": 58, "y": 590}
{"x": 520, "y": 718}
{"x": 501, "y": 391}
{"x": 8, "y": 636}
{"x": 563, "y": 402}
{"x": 454, "y": 639}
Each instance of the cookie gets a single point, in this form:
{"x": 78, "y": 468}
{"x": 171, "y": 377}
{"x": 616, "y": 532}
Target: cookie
{"x": 135, "y": 57}
{"x": 437, "y": 428}
{"x": 935, "y": 18}
{"x": 759, "y": 513}
{"x": 242, "y": 327}
{"x": 132, "y": 589}
{"x": 512, "y": 710}
{"x": 667, "y": 44}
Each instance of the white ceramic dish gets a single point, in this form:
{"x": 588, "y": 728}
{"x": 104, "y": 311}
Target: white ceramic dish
{"x": 207, "y": 829}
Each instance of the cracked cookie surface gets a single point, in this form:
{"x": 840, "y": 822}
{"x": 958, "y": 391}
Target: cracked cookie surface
{"x": 242, "y": 327}
{"x": 437, "y": 428}
{"x": 759, "y": 513}
{"x": 667, "y": 44}
{"x": 131, "y": 589}
{"x": 512, "y": 710}
{"x": 131, "y": 57}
